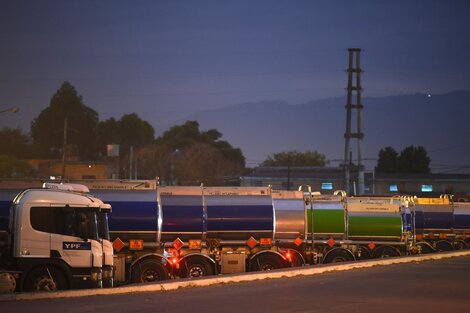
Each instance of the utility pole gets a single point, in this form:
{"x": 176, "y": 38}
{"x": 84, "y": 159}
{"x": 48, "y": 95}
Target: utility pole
{"x": 131, "y": 157}
{"x": 64, "y": 148}
{"x": 354, "y": 69}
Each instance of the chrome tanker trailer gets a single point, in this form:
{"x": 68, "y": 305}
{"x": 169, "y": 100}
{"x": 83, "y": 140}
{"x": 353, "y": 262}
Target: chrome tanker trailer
{"x": 163, "y": 232}
{"x": 208, "y": 230}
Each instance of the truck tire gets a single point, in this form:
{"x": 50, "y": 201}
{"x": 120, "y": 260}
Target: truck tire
{"x": 149, "y": 270}
{"x": 296, "y": 259}
{"x": 266, "y": 262}
{"x": 364, "y": 253}
{"x": 45, "y": 278}
{"x": 460, "y": 245}
{"x": 443, "y": 245}
{"x": 385, "y": 252}
{"x": 337, "y": 256}
{"x": 7, "y": 283}
{"x": 194, "y": 267}
{"x": 425, "y": 247}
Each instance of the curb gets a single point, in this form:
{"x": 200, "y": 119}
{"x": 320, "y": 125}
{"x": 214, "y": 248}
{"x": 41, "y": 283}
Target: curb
{"x": 233, "y": 278}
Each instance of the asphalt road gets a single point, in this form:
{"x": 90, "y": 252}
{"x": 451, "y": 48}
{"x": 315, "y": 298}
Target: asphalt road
{"x": 424, "y": 287}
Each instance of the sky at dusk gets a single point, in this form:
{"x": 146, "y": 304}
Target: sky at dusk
{"x": 165, "y": 60}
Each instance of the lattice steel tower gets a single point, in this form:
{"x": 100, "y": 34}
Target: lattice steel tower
{"x": 354, "y": 70}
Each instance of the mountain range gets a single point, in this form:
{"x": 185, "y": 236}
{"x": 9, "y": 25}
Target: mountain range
{"x": 437, "y": 122}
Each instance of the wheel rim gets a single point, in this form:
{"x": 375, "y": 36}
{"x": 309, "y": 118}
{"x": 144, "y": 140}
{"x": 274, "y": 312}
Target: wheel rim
{"x": 267, "y": 267}
{"x": 196, "y": 271}
{"x": 338, "y": 259}
{"x": 150, "y": 276}
{"x": 44, "y": 283}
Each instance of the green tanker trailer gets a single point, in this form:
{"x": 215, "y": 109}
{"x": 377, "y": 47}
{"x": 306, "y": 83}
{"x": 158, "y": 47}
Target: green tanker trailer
{"x": 378, "y": 225}
{"x": 341, "y": 228}
{"x": 336, "y": 228}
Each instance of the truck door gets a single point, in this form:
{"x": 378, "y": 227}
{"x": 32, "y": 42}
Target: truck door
{"x": 75, "y": 240}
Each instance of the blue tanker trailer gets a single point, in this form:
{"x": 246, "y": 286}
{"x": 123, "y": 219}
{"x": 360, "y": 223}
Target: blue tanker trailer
{"x": 462, "y": 225}
{"x": 442, "y": 224}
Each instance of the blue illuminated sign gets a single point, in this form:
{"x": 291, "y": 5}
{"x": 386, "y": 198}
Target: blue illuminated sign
{"x": 426, "y": 188}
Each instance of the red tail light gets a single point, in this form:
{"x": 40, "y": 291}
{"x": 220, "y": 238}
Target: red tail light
{"x": 289, "y": 256}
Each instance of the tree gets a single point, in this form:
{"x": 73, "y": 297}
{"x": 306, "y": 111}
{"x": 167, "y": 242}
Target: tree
{"x": 11, "y": 167}
{"x": 154, "y": 161}
{"x": 129, "y": 131}
{"x": 388, "y": 161}
{"x": 410, "y": 160}
{"x": 184, "y": 154}
{"x": 14, "y": 142}
{"x": 182, "y": 136}
{"x": 47, "y": 129}
{"x": 203, "y": 163}
{"x": 414, "y": 160}
{"x": 296, "y": 158}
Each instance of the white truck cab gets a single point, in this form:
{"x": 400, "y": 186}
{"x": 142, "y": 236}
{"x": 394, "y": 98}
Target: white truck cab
{"x": 54, "y": 240}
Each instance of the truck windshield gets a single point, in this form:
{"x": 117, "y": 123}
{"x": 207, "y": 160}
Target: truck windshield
{"x": 94, "y": 230}
{"x": 69, "y": 221}
{"x": 103, "y": 229}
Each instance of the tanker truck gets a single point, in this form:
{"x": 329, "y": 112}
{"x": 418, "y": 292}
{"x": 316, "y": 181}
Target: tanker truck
{"x": 164, "y": 232}
{"x": 52, "y": 240}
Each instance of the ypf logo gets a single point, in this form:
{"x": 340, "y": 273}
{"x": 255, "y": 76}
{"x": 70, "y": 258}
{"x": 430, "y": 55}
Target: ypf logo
{"x": 76, "y": 245}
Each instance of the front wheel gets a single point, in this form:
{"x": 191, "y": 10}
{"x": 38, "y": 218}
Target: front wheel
{"x": 149, "y": 270}
{"x": 45, "y": 278}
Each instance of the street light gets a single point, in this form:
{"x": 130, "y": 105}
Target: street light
{"x": 173, "y": 155}
{"x": 12, "y": 110}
